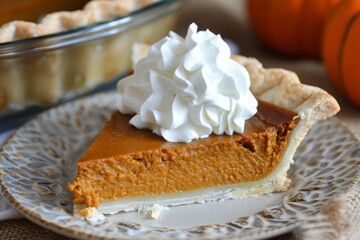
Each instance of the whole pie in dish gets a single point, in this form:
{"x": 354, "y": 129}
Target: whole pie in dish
{"x": 127, "y": 168}
{"x": 42, "y": 63}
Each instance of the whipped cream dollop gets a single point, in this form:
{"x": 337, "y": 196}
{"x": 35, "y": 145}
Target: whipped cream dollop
{"x": 186, "y": 89}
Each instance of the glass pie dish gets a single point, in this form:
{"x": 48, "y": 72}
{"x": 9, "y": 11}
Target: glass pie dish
{"x": 41, "y": 71}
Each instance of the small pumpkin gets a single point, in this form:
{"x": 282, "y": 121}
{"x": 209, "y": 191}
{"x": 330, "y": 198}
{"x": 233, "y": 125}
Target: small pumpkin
{"x": 341, "y": 48}
{"x": 291, "y": 27}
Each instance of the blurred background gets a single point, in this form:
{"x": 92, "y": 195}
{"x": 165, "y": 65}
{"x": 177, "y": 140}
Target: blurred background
{"x": 250, "y": 35}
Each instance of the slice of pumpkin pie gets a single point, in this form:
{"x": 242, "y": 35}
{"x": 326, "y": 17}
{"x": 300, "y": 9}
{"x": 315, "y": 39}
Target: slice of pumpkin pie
{"x": 197, "y": 125}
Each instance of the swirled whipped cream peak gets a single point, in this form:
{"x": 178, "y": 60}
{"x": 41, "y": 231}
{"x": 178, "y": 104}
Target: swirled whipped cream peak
{"x": 186, "y": 89}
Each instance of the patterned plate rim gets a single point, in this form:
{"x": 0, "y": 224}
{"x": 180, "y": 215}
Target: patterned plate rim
{"x": 63, "y": 230}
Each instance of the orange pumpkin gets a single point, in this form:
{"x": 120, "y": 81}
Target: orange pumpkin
{"x": 341, "y": 48}
{"x": 292, "y": 27}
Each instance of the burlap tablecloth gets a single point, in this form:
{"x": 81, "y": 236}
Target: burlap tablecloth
{"x": 229, "y": 18}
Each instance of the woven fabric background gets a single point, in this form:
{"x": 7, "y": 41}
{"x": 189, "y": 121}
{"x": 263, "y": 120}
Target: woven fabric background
{"x": 24, "y": 229}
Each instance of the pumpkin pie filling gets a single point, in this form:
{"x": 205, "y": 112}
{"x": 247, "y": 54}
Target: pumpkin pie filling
{"x": 183, "y": 146}
{"x": 127, "y": 162}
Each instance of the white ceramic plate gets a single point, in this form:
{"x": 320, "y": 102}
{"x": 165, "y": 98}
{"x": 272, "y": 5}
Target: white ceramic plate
{"x": 38, "y": 162}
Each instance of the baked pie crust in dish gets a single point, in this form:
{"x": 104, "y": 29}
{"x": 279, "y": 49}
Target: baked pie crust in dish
{"x": 53, "y": 22}
{"x": 65, "y": 53}
{"x": 127, "y": 169}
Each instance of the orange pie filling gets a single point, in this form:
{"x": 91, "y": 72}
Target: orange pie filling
{"x": 120, "y": 165}
{"x": 182, "y": 92}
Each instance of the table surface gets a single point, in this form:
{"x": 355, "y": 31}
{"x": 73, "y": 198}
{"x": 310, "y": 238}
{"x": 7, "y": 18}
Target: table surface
{"x": 228, "y": 18}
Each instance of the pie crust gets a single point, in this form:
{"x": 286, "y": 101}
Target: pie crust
{"x": 276, "y": 86}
